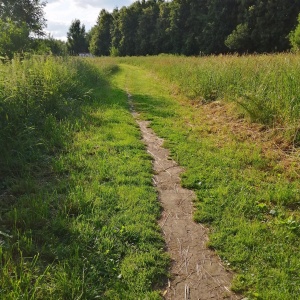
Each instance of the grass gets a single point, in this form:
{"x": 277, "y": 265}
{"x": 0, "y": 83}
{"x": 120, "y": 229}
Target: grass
{"x": 248, "y": 198}
{"x": 264, "y": 86}
{"x": 78, "y": 210}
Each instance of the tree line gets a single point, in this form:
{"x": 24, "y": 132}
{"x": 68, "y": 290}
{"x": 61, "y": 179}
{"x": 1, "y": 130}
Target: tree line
{"x": 193, "y": 27}
{"x": 188, "y": 27}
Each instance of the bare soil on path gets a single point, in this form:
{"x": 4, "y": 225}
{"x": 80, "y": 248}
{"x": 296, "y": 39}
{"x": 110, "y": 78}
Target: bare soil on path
{"x": 196, "y": 271}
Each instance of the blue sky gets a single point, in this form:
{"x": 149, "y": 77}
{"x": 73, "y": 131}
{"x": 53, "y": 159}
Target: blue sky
{"x": 60, "y": 13}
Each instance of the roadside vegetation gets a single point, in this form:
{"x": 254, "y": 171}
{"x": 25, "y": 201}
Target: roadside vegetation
{"x": 78, "y": 210}
{"x": 264, "y": 87}
{"x": 248, "y": 193}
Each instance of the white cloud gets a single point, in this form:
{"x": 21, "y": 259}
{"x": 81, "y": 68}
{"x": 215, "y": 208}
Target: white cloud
{"x": 58, "y": 30}
{"x": 52, "y": 1}
{"x": 61, "y": 13}
{"x": 107, "y": 4}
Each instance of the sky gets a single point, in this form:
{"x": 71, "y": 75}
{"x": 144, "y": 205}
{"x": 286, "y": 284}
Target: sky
{"x": 61, "y": 13}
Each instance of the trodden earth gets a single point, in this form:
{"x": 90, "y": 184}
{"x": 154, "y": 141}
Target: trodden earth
{"x": 197, "y": 273}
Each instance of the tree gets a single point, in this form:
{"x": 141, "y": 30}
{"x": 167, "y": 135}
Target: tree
{"x": 115, "y": 33}
{"x": 18, "y": 20}
{"x": 294, "y": 37}
{"x": 100, "y": 43}
{"x": 29, "y": 12}
{"x": 177, "y": 18}
{"x": 13, "y": 37}
{"x": 127, "y": 26}
{"x": 77, "y": 38}
{"x": 162, "y": 30}
{"x": 239, "y": 40}
{"x": 48, "y": 45}
{"x": 264, "y": 25}
{"x": 187, "y": 22}
{"x": 145, "y": 36}
{"x": 219, "y": 22}
{"x": 194, "y": 26}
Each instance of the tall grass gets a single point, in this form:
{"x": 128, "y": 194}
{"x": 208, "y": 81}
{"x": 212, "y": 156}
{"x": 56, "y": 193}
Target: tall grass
{"x": 77, "y": 209}
{"x": 35, "y": 96}
{"x": 265, "y": 86}
{"x": 249, "y": 198}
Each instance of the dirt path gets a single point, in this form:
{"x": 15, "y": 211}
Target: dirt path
{"x": 197, "y": 272}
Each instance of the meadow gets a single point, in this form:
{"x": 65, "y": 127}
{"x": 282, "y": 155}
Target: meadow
{"x": 78, "y": 209}
{"x": 266, "y": 87}
{"x": 248, "y": 190}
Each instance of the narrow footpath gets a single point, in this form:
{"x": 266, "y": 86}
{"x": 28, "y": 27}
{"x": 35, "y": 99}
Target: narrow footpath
{"x": 196, "y": 271}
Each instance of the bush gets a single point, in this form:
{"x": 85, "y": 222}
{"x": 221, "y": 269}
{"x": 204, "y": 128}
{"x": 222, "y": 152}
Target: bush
{"x": 295, "y": 37}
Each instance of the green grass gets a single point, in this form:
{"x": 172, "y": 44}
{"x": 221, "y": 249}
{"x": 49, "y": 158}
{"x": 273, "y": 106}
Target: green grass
{"x": 250, "y": 201}
{"x": 266, "y": 87}
{"x": 78, "y": 210}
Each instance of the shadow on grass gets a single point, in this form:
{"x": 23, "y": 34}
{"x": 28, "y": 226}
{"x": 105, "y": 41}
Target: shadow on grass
{"x": 39, "y": 206}
{"x": 249, "y": 209}
{"x": 153, "y": 107}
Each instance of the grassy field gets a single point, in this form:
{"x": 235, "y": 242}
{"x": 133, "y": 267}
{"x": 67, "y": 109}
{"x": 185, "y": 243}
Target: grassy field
{"x": 78, "y": 211}
{"x": 266, "y": 87}
{"x": 249, "y": 198}
{"x": 77, "y": 208}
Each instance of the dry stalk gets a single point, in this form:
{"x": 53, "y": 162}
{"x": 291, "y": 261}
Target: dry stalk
{"x": 186, "y": 292}
{"x": 165, "y": 220}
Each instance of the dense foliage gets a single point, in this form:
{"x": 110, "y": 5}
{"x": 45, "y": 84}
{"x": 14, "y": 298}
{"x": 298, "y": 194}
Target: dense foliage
{"x": 21, "y": 29}
{"x": 295, "y": 36}
{"x": 13, "y": 38}
{"x": 193, "y": 27}
{"x": 150, "y": 27}
{"x": 76, "y": 38}
{"x": 24, "y": 11}
{"x": 48, "y": 45}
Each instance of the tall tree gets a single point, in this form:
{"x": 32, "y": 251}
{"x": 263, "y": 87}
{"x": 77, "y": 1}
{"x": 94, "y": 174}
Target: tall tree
{"x": 128, "y": 25}
{"x": 264, "y": 25}
{"x": 18, "y": 20}
{"x": 100, "y": 43}
{"x": 178, "y": 15}
{"x": 115, "y": 33}
{"x": 77, "y": 38}
{"x": 13, "y": 38}
{"x": 29, "y": 12}
{"x": 145, "y": 37}
{"x": 194, "y": 26}
{"x": 294, "y": 36}
{"x": 162, "y": 29}
{"x": 187, "y": 19}
{"x": 221, "y": 19}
